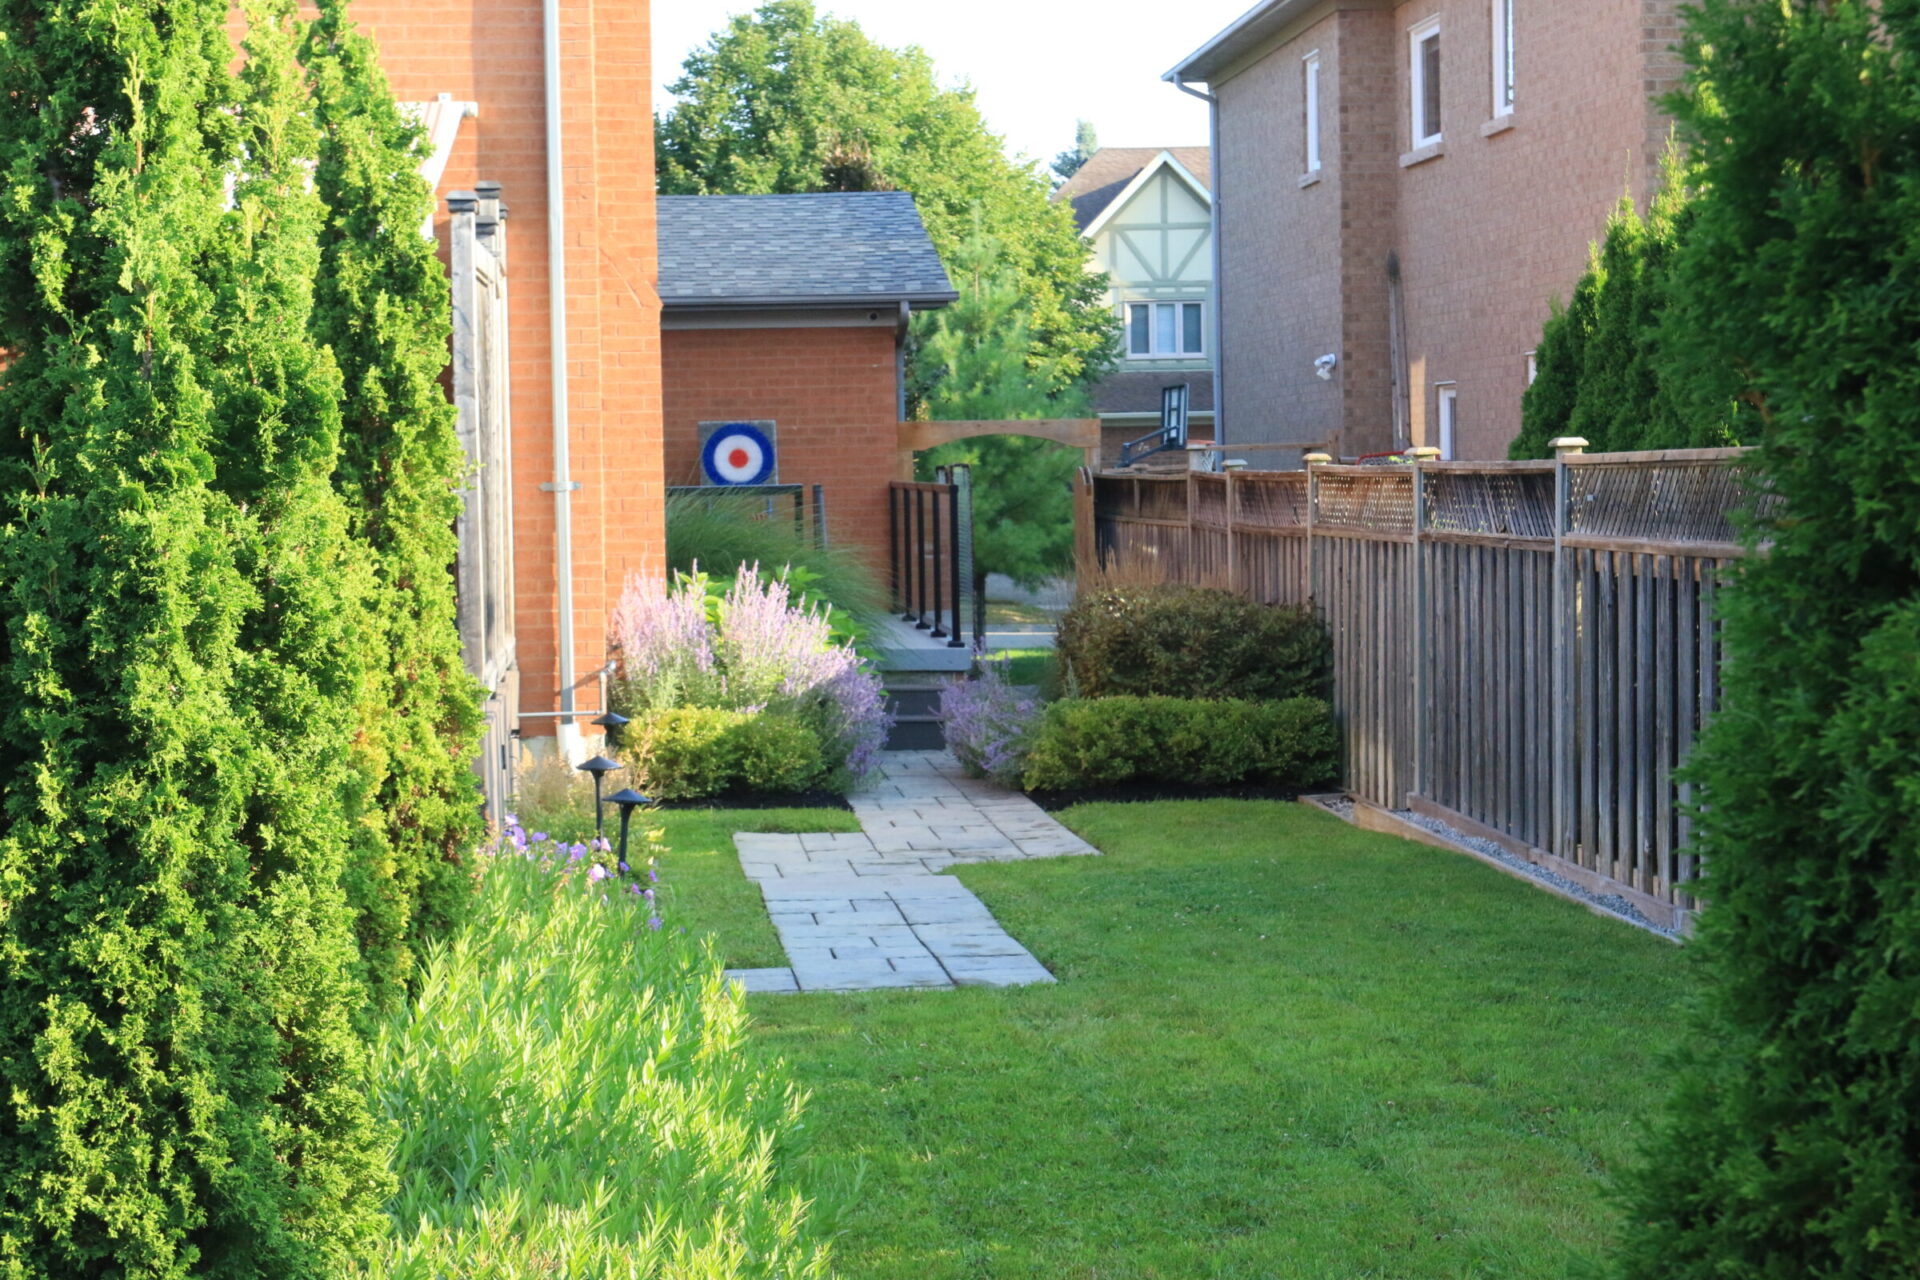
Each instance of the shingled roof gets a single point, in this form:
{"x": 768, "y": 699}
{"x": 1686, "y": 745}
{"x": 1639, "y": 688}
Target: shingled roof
{"x": 825, "y": 249}
{"x": 1099, "y": 181}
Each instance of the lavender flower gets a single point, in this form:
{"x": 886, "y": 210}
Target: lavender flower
{"x": 989, "y": 725}
{"x": 654, "y": 922}
{"x": 754, "y": 648}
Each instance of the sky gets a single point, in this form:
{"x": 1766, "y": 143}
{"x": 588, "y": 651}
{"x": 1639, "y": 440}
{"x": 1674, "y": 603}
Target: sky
{"x": 1036, "y": 65}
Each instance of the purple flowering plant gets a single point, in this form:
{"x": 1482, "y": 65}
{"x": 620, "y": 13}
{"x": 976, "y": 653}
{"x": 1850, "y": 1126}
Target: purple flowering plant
{"x": 563, "y": 860}
{"x": 749, "y": 644}
{"x": 989, "y": 723}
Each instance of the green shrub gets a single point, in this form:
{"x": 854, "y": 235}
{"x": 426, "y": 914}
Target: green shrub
{"x": 382, "y": 305}
{"x": 1791, "y": 1147}
{"x": 573, "y": 1095}
{"x": 1191, "y": 642}
{"x": 1102, "y": 742}
{"x": 180, "y": 674}
{"x": 687, "y": 753}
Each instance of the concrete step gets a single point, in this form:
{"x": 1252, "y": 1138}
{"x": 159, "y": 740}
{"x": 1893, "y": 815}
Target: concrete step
{"x": 916, "y": 725}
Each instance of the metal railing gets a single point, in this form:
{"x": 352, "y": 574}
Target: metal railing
{"x": 929, "y": 541}
{"x": 808, "y": 502}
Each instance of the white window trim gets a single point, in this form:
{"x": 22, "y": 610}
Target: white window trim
{"x": 1153, "y": 328}
{"x": 1505, "y": 73}
{"x": 1533, "y": 367}
{"x": 1311, "y": 71}
{"x": 1446, "y": 420}
{"x": 1417, "y": 83}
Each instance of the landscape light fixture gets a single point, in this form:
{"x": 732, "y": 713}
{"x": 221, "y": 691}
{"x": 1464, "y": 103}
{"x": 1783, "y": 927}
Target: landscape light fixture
{"x": 611, "y": 720}
{"x": 599, "y": 767}
{"x": 628, "y": 799}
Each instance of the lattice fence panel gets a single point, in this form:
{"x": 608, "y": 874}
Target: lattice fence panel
{"x": 1271, "y": 501}
{"x": 1656, "y": 502}
{"x": 1514, "y": 504}
{"x": 1210, "y": 500}
{"x": 1379, "y": 501}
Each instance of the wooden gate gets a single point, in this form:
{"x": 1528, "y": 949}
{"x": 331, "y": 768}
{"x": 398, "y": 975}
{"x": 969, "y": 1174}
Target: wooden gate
{"x": 485, "y": 526}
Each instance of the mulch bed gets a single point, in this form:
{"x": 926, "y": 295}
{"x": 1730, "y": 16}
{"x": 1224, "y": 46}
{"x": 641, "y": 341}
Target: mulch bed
{"x": 1142, "y": 792}
{"x": 763, "y": 800}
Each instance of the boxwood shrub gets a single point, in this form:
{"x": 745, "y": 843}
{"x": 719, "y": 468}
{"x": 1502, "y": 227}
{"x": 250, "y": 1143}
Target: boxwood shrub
{"x": 688, "y": 753}
{"x": 1191, "y": 642}
{"x": 1102, "y": 742}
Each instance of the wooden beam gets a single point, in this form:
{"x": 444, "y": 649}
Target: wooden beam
{"x": 1078, "y": 433}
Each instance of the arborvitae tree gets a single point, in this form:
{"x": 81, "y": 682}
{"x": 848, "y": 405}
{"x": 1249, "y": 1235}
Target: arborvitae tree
{"x": 1609, "y": 367}
{"x": 1792, "y": 1146}
{"x": 184, "y": 1094}
{"x": 382, "y": 306}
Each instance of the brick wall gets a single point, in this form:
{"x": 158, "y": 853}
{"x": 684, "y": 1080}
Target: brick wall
{"x": 833, "y": 391}
{"x": 1488, "y": 232}
{"x": 489, "y": 52}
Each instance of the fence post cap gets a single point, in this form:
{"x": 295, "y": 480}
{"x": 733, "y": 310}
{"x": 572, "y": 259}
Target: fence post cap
{"x": 1425, "y": 453}
{"x": 1567, "y": 444}
{"x": 1314, "y": 458}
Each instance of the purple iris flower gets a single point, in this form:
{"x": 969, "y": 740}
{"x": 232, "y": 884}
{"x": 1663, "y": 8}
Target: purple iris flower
{"x": 597, "y": 872}
{"x": 623, "y": 868}
{"x": 654, "y": 922}
{"x": 653, "y": 875}
{"x": 576, "y": 853}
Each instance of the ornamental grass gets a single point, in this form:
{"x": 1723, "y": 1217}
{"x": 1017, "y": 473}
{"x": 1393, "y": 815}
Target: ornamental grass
{"x": 574, "y": 1096}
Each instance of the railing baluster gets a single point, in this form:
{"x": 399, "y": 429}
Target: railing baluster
{"x": 939, "y": 631}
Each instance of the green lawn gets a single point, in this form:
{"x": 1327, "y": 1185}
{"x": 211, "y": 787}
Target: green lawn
{"x": 1280, "y": 1047}
{"x": 1028, "y": 666}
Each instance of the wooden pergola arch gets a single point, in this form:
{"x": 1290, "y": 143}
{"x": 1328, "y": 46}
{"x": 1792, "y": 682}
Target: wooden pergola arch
{"x": 1077, "y": 433}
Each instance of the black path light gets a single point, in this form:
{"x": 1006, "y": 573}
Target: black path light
{"x": 628, "y": 799}
{"x": 611, "y": 720}
{"x": 599, "y": 767}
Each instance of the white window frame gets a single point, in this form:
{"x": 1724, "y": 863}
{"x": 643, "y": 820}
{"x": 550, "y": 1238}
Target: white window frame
{"x": 1533, "y": 367}
{"x": 1505, "y": 74}
{"x": 1417, "y": 83}
{"x": 1447, "y": 420}
{"x": 1311, "y": 71}
{"x": 1154, "y": 352}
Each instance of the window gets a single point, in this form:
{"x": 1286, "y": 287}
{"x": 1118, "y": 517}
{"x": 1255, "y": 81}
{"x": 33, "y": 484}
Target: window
{"x": 1165, "y": 329}
{"x": 1533, "y": 367}
{"x": 1313, "y": 111}
{"x": 1449, "y": 421}
{"x": 1425, "y": 79}
{"x": 1502, "y": 58}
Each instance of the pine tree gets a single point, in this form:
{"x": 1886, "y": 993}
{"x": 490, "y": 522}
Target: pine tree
{"x": 184, "y": 1091}
{"x": 975, "y": 363}
{"x": 383, "y": 308}
{"x": 1792, "y": 1146}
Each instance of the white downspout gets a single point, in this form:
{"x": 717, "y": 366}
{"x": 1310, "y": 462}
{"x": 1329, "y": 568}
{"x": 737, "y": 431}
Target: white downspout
{"x": 1219, "y": 285}
{"x": 562, "y": 486}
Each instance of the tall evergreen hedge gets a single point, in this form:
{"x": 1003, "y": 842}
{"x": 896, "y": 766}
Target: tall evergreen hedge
{"x": 1614, "y": 366}
{"x": 183, "y": 1090}
{"x": 382, "y": 306}
{"x": 1792, "y": 1148}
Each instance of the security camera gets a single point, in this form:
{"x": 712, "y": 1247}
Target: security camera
{"x": 1324, "y": 366}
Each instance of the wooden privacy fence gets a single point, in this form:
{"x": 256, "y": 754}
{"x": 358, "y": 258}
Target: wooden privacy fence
{"x": 1525, "y": 650}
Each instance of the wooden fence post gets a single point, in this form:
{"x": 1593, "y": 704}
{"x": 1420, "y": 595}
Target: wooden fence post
{"x": 1314, "y": 461}
{"x": 1566, "y": 622}
{"x": 1422, "y": 628}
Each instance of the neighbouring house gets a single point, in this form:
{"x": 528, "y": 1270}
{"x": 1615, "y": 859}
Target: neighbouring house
{"x": 1148, "y": 212}
{"x": 559, "y": 406}
{"x": 789, "y": 313}
{"x": 1401, "y": 192}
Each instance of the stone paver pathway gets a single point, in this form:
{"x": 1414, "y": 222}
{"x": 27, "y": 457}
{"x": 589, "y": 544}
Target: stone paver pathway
{"x": 860, "y": 912}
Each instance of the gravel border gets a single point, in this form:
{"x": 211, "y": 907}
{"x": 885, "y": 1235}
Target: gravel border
{"x": 1611, "y": 903}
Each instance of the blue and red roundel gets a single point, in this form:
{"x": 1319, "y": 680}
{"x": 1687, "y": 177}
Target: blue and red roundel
{"x": 738, "y": 453}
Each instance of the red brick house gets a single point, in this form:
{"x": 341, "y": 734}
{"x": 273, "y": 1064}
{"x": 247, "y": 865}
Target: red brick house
{"x": 793, "y": 310}
{"x": 530, "y": 92}
{"x": 1402, "y": 188}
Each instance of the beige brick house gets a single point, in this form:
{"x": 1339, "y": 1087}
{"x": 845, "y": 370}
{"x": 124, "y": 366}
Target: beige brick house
{"x": 1400, "y": 192}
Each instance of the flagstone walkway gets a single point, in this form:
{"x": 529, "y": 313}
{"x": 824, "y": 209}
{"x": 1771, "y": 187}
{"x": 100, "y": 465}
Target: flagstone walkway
{"x": 866, "y": 911}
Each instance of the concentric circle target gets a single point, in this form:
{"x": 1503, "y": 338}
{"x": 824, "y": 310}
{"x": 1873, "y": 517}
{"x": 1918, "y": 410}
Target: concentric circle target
{"x": 738, "y": 454}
